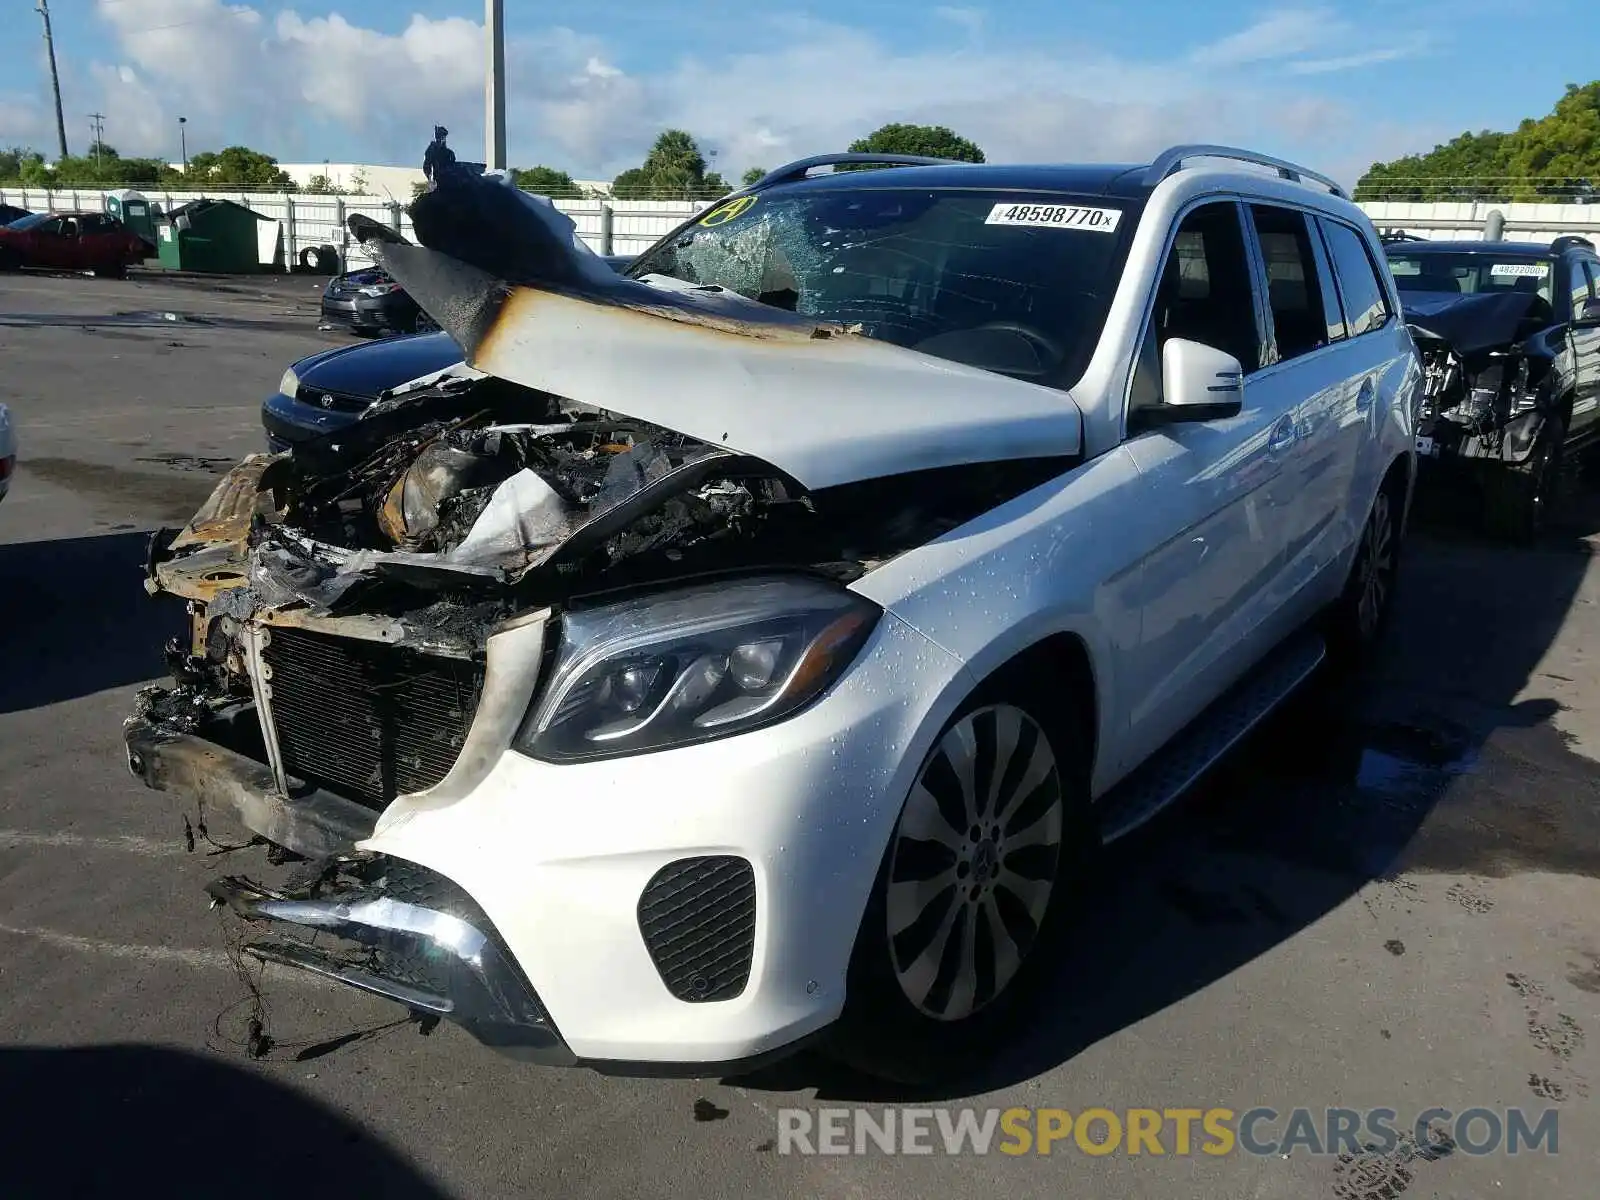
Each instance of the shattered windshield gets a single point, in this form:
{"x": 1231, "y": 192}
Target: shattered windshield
{"x": 1013, "y": 283}
{"x": 1471, "y": 274}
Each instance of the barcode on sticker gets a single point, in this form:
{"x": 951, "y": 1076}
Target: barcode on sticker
{"x": 1056, "y": 216}
{"x": 1521, "y": 270}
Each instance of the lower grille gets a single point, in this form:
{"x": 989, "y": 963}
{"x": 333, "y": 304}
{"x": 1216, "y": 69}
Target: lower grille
{"x": 367, "y": 720}
{"x": 698, "y": 918}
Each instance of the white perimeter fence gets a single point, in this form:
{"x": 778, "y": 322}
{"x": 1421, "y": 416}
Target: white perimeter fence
{"x": 310, "y": 221}
{"x": 630, "y": 226}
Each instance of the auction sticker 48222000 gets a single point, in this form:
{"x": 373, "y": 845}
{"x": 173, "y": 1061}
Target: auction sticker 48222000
{"x": 1056, "y": 216}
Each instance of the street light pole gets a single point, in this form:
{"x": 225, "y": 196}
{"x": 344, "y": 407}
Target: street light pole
{"x": 55, "y": 78}
{"x": 494, "y": 125}
{"x": 183, "y": 142}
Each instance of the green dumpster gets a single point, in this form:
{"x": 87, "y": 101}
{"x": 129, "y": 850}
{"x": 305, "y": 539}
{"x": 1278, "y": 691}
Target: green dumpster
{"x": 133, "y": 210}
{"x": 216, "y": 237}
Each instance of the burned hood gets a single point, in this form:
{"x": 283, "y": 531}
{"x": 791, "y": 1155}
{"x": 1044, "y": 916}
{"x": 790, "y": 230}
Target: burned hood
{"x": 506, "y": 276}
{"x": 1470, "y": 323}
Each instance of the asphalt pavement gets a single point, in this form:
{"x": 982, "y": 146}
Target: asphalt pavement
{"x": 1386, "y": 899}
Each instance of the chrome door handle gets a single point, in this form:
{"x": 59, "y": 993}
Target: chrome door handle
{"x": 1283, "y": 436}
{"x": 1365, "y": 395}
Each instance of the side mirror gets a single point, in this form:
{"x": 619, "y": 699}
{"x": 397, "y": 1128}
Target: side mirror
{"x": 1198, "y": 383}
{"x": 1588, "y": 316}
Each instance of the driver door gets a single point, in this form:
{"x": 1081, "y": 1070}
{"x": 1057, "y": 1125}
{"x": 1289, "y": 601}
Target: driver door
{"x": 47, "y": 242}
{"x": 1218, "y": 489}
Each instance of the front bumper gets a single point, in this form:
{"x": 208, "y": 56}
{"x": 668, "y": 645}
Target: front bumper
{"x": 314, "y": 823}
{"x": 391, "y": 311}
{"x": 691, "y": 911}
{"x": 289, "y": 421}
{"x": 440, "y": 960}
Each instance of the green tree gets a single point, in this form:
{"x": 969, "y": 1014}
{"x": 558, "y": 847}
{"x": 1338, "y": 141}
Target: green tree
{"x": 546, "y": 181}
{"x": 1545, "y": 159}
{"x": 237, "y": 166}
{"x": 673, "y": 169}
{"x": 935, "y": 141}
{"x": 753, "y": 175}
{"x": 321, "y": 185}
{"x": 13, "y": 159}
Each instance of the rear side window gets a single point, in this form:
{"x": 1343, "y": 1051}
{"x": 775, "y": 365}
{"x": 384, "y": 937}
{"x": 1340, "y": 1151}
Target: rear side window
{"x": 1593, "y": 268}
{"x": 1294, "y": 290}
{"x": 1366, "y": 305}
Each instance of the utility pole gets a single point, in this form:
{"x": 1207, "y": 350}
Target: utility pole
{"x": 494, "y": 125}
{"x": 183, "y": 142}
{"x": 97, "y": 122}
{"x": 55, "y": 78}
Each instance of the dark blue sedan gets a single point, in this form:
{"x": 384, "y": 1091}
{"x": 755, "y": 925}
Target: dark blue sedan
{"x": 328, "y": 391}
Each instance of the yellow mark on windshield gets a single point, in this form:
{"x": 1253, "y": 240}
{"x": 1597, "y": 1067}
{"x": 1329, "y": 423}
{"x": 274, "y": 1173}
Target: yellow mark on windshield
{"x": 721, "y": 216}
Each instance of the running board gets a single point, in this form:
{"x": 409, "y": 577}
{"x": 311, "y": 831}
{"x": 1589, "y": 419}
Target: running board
{"x": 1176, "y": 766}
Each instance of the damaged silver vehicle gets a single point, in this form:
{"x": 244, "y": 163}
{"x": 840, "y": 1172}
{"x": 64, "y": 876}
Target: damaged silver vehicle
{"x": 1509, "y": 334}
{"x": 763, "y": 645}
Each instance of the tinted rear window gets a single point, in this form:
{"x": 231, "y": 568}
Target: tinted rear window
{"x": 1366, "y": 305}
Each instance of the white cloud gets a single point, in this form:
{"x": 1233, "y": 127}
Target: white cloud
{"x": 1276, "y": 36}
{"x": 300, "y": 82}
{"x": 970, "y": 20}
{"x": 1333, "y": 43}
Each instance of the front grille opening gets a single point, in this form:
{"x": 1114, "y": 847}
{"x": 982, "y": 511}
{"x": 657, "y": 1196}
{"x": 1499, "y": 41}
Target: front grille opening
{"x": 367, "y": 720}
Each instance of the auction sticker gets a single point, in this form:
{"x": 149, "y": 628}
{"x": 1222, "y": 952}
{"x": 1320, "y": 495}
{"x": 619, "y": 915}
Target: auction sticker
{"x": 1521, "y": 270}
{"x": 1056, "y": 216}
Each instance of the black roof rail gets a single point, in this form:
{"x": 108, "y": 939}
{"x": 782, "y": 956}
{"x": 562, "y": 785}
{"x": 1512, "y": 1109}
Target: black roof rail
{"x": 1169, "y": 162}
{"x": 1571, "y": 239}
{"x": 801, "y": 167}
{"x": 1400, "y": 235}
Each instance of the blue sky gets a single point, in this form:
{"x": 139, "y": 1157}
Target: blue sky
{"x": 591, "y": 81}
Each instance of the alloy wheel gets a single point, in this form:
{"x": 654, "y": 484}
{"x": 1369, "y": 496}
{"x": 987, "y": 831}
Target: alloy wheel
{"x": 1376, "y": 575}
{"x": 974, "y": 862}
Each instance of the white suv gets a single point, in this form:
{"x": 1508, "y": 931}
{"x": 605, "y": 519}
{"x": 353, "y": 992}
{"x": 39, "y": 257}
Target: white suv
{"x": 765, "y": 643}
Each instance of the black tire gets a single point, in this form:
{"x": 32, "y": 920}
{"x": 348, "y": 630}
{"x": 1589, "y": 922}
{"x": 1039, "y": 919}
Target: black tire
{"x": 1518, "y": 498}
{"x": 118, "y": 271}
{"x": 947, "y": 887}
{"x": 1358, "y": 620}
{"x": 9, "y": 261}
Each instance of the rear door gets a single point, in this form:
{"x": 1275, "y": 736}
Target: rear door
{"x": 69, "y": 245}
{"x": 1311, "y": 374}
{"x": 1585, "y": 350}
{"x": 101, "y": 242}
{"x": 1379, "y": 358}
{"x": 1206, "y": 588}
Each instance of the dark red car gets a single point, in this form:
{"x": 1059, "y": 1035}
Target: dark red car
{"x": 79, "y": 241}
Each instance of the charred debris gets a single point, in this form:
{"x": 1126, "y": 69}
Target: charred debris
{"x": 471, "y": 501}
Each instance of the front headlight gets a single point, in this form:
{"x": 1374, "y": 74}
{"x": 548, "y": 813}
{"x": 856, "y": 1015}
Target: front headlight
{"x": 379, "y": 289}
{"x": 693, "y": 665}
{"x": 289, "y": 385}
